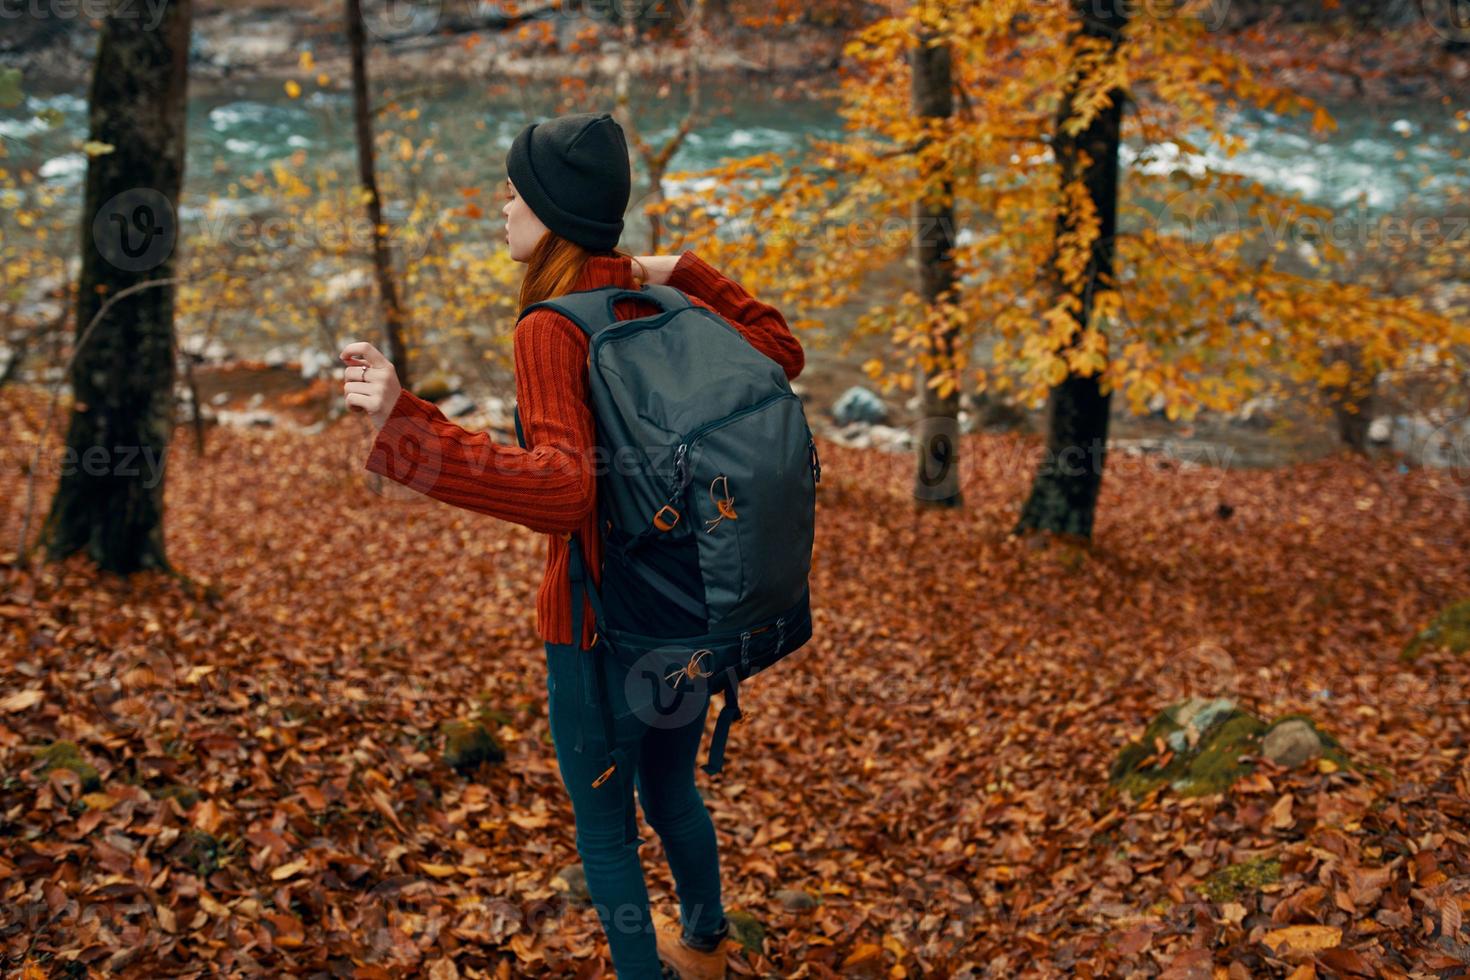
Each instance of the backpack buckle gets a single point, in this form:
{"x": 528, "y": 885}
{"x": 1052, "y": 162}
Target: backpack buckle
{"x": 661, "y": 522}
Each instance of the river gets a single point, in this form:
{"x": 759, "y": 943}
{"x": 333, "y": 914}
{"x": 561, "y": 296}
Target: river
{"x": 1372, "y": 165}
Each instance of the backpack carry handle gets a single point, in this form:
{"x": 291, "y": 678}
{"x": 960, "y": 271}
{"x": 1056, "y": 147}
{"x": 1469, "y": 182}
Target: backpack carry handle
{"x": 592, "y": 309}
{"x": 666, "y": 298}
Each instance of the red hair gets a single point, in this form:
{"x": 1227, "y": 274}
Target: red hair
{"x": 556, "y": 264}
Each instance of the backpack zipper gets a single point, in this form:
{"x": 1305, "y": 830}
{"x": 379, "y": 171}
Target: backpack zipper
{"x": 626, "y": 327}
{"x": 682, "y": 473}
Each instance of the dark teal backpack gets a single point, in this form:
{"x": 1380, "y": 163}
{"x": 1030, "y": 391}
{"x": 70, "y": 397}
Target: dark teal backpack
{"x": 706, "y": 472}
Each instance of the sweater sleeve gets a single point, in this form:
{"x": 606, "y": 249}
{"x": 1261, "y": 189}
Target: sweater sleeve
{"x": 549, "y": 487}
{"x": 760, "y": 323}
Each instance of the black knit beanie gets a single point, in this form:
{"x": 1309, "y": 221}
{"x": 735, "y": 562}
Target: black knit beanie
{"x": 573, "y": 172}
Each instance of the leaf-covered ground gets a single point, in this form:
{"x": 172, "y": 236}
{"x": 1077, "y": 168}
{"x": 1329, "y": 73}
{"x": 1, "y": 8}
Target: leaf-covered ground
{"x": 932, "y": 768}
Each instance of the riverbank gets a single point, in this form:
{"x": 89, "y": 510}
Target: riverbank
{"x": 298, "y": 390}
{"x": 1409, "y": 60}
{"x": 244, "y": 44}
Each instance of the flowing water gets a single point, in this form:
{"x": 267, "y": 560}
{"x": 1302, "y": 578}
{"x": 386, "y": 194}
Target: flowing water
{"x": 1379, "y": 161}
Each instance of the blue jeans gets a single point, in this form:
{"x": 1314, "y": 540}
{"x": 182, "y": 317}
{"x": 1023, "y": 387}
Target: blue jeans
{"x": 660, "y": 743}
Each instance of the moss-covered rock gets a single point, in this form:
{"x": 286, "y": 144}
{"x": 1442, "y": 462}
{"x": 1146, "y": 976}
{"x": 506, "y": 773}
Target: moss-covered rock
{"x": 467, "y": 744}
{"x": 1450, "y": 629}
{"x": 747, "y": 930}
{"x": 1331, "y": 749}
{"x": 1203, "y": 746}
{"x": 1291, "y": 742}
{"x": 1193, "y": 746}
{"x": 1230, "y": 883}
{"x": 66, "y": 755}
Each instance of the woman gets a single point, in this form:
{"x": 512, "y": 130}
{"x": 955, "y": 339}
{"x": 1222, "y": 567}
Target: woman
{"x": 567, "y": 188}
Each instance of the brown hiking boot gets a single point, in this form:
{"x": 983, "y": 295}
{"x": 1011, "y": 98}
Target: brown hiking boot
{"x": 686, "y": 961}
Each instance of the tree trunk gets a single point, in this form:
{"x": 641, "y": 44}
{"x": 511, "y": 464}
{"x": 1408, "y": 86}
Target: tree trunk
{"x": 1064, "y": 494}
{"x": 394, "y": 347}
{"x": 656, "y": 162}
{"x": 1352, "y": 402}
{"x": 937, "y": 481}
{"x": 109, "y": 501}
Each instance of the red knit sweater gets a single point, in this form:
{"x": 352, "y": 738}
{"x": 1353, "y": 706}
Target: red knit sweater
{"x": 547, "y": 487}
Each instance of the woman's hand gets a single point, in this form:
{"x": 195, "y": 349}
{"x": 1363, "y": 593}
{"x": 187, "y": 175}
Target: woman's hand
{"x": 369, "y": 381}
{"x": 658, "y": 267}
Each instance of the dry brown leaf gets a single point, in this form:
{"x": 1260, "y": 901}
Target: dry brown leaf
{"x": 1281, "y": 813}
{"x": 207, "y": 817}
{"x": 1305, "y": 939}
{"x": 21, "y": 700}
{"x": 529, "y": 821}
{"x": 1450, "y": 917}
{"x": 287, "y": 870}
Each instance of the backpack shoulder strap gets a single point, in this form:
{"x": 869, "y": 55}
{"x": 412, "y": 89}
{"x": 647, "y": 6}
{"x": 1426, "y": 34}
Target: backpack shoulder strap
{"x": 592, "y": 311}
